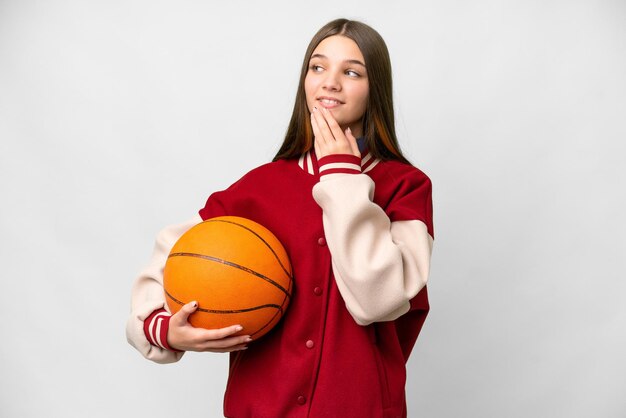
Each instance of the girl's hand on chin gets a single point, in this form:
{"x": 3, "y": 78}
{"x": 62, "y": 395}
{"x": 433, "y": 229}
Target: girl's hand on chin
{"x": 329, "y": 137}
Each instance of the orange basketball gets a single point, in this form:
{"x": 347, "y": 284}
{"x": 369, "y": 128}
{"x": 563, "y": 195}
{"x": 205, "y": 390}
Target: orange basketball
{"x": 237, "y": 271}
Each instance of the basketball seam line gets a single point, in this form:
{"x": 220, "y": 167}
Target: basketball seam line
{"x": 231, "y": 264}
{"x": 259, "y": 237}
{"x": 227, "y": 311}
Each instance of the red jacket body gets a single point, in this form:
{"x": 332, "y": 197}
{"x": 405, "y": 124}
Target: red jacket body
{"x": 318, "y": 361}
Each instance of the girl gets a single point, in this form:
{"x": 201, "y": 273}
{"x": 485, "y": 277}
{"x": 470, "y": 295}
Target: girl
{"x": 356, "y": 219}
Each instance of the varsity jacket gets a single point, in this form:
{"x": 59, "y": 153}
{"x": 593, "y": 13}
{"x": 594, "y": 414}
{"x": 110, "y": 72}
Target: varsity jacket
{"x": 359, "y": 234}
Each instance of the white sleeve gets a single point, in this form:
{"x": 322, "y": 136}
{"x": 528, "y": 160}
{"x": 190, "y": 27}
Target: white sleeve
{"x": 379, "y": 265}
{"x": 147, "y": 294}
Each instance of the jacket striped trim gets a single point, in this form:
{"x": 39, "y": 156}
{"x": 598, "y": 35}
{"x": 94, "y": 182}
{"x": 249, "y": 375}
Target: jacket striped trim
{"x": 153, "y": 328}
{"x": 339, "y": 163}
{"x": 311, "y": 165}
{"x": 156, "y": 327}
{"x": 368, "y": 162}
{"x": 305, "y": 163}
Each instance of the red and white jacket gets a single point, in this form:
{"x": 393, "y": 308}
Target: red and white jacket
{"x": 342, "y": 346}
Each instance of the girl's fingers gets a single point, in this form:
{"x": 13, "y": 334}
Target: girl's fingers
{"x": 199, "y": 339}
{"x": 220, "y": 333}
{"x": 329, "y": 136}
{"x": 227, "y": 342}
{"x": 189, "y": 338}
{"x": 333, "y": 126}
{"x": 319, "y": 142}
{"x": 318, "y": 151}
{"x": 314, "y": 124}
{"x": 353, "y": 144}
{"x": 227, "y": 350}
{"x": 322, "y": 125}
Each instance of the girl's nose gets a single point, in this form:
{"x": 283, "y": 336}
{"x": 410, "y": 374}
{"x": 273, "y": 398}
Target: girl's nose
{"x": 331, "y": 82}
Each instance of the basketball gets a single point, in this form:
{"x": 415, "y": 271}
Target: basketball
{"x": 237, "y": 271}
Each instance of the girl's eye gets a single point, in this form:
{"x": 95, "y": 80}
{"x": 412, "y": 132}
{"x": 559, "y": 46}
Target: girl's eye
{"x": 352, "y": 73}
{"x": 315, "y": 67}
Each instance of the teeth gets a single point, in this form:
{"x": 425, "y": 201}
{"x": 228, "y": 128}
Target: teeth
{"x": 328, "y": 101}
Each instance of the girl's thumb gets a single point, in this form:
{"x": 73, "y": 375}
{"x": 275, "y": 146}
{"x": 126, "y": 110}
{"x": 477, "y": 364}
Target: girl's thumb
{"x": 188, "y": 309}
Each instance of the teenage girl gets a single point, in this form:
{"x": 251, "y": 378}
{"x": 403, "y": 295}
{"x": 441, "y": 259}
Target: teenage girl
{"x": 356, "y": 220}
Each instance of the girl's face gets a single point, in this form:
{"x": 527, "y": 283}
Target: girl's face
{"x": 337, "y": 80}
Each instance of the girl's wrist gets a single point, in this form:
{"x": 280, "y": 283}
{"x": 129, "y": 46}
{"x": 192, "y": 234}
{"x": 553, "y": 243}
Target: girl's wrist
{"x": 156, "y": 327}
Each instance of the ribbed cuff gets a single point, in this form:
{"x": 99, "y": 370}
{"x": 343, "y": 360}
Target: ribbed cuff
{"x": 155, "y": 327}
{"x": 339, "y": 163}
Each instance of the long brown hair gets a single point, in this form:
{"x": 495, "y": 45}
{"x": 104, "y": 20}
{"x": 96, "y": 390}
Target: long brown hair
{"x": 378, "y": 120}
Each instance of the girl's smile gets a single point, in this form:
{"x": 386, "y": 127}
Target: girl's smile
{"x": 329, "y": 102}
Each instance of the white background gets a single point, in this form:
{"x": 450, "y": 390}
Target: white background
{"x": 120, "y": 117}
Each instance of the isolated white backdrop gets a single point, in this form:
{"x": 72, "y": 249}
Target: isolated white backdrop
{"x": 120, "y": 117}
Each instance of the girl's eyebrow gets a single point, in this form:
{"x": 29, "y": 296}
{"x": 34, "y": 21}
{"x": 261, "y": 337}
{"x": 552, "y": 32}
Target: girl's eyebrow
{"x": 351, "y": 61}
